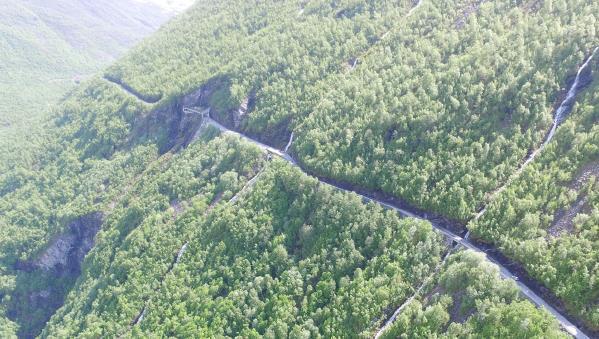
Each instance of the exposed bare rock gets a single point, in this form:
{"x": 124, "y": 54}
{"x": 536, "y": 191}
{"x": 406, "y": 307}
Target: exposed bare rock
{"x": 352, "y": 63}
{"x": 466, "y": 12}
{"x": 57, "y": 253}
{"x": 177, "y": 207}
{"x": 168, "y": 125}
{"x": 240, "y": 112}
{"x": 69, "y": 249}
{"x": 60, "y": 265}
{"x": 532, "y": 6}
{"x": 563, "y": 221}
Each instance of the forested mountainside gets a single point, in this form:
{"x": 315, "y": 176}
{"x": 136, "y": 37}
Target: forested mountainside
{"x": 290, "y": 257}
{"x": 136, "y": 217}
{"x": 47, "y": 46}
{"x": 469, "y": 300}
{"x": 547, "y": 217}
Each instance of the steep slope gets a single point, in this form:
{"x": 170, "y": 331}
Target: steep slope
{"x": 435, "y": 114}
{"x": 439, "y": 111}
{"x": 430, "y": 106}
{"x": 276, "y": 252}
{"x": 468, "y": 299}
{"x": 547, "y": 218}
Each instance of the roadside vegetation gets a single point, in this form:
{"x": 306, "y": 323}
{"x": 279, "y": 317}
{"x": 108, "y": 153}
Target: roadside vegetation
{"x": 547, "y": 218}
{"x": 469, "y": 300}
{"x": 439, "y": 110}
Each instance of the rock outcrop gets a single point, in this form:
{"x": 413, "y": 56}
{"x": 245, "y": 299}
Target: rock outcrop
{"x": 168, "y": 125}
{"x": 67, "y": 251}
{"x": 58, "y": 266}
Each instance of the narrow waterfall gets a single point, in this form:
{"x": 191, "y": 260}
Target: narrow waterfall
{"x": 181, "y": 252}
{"x": 289, "y": 143}
{"x": 566, "y": 106}
{"x": 560, "y": 115}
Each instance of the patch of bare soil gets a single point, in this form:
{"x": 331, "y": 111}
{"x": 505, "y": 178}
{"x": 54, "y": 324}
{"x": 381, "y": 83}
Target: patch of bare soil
{"x": 456, "y": 314}
{"x": 437, "y": 290}
{"x": 563, "y": 221}
{"x": 177, "y": 207}
{"x": 351, "y": 63}
{"x": 466, "y": 12}
{"x": 216, "y": 200}
{"x": 532, "y": 6}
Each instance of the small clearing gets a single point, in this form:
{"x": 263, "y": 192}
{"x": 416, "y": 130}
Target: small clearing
{"x": 564, "y": 219}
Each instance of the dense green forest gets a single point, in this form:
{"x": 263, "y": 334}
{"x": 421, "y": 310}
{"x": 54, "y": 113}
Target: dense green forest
{"x": 547, "y": 218}
{"x": 438, "y": 113}
{"x": 439, "y": 116}
{"x": 443, "y": 103}
{"x": 42, "y": 192}
{"x": 289, "y": 256}
{"x": 46, "y": 48}
{"x": 469, "y": 300}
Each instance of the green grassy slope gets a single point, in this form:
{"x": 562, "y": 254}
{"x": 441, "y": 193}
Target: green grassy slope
{"x": 46, "y": 46}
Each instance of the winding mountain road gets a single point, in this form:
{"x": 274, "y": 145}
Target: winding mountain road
{"x": 505, "y": 272}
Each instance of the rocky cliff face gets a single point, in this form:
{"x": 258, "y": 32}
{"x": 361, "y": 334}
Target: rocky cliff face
{"x": 168, "y": 125}
{"x": 240, "y": 112}
{"x": 67, "y": 250}
{"x": 58, "y": 267}
{"x": 57, "y": 253}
